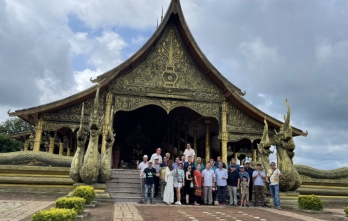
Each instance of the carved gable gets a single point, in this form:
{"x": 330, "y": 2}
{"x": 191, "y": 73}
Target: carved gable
{"x": 168, "y": 72}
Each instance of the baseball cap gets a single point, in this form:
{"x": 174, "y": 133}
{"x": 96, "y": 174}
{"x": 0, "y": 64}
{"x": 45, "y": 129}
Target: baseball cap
{"x": 158, "y": 149}
{"x": 241, "y": 166}
{"x": 156, "y": 158}
{"x": 247, "y": 161}
{"x": 150, "y": 161}
{"x": 180, "y": 162}
{"x": 145, "y": 156}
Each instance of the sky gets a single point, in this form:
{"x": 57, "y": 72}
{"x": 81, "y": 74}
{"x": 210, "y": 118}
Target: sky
{"x": 272, "y": 49}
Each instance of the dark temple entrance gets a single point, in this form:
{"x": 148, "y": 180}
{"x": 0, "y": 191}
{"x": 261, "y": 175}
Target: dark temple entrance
{"x": 141, "y": 131}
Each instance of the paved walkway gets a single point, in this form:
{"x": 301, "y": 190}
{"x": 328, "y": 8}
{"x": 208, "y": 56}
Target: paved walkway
{"x": 290, "y": 214}
{"x": 126, "y": 212}
{"x": 14, "y": 210}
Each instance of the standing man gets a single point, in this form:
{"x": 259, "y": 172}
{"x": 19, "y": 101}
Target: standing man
{"x": 218, "y": 161}
{"x": 176, "y": 164}
{"x": 157, "y": 154}
{"x": 212, "y": 164}
{"x": 157, "y": 179}
{"x": 168, "y": 156}
{"x": 259, "y": 186}
{"x": 208, "y": 176}
{"x": 183, "y": 158}
{"x": 189, "y": 152}
{"x": 233, "y": 163}
{"x": 233, "y": 182}
{"x": 142, "y": 167}
{"x": 250, "y": 171}
{"x": 272, "y": 178}
{"x": 189, "y": 163}
{"x": 165, "y": 161}
{"x": 221, "y": 183}
{"x": 149, "y": 174}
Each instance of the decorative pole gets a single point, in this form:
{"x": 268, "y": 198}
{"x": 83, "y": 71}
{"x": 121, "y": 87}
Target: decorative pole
{"x": 51, "y": 147}
{"x": 38, "y": 134}
{"x": 26, "y": 145}
{"x": 224, "y": 133}
{"x": 186, "y": 130}
{"x": 195, "y": 129}
{"x": 178, "y": 147}
{"x": 107, "y": 122}
{"x": 61, "y": 148}
{"x": 207, "y": 139}
{"x": 173, "y": 136}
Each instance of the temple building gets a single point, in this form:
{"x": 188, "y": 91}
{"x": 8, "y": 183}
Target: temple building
{"x": 166, "y": 95}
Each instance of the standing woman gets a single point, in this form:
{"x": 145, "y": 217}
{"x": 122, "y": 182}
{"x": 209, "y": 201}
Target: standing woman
{"x": 198, "y": 185}
{"x": 179, "y": 181}
{"x": 188, "y": 186}
{"x": 168, "y": 197}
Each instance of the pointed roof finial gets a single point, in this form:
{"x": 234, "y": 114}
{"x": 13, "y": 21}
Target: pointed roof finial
{"x": 162, "y": 14}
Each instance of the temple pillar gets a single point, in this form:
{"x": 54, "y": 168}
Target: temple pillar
{"x": 168, "y": 145}
{"x": 173, "y": 137}
{"x": 195, "y": 129}
{"x": 61, "y": 148}
{"x": 254, "y": 155}
{"x": 186, "y": 130}
{"x": 224, "y": 133}
{"x": 68, "y": 151}
{"x": 107, "y": 119}
{"x": 51, "y": 147}
{"x": 38, "y": 135}
{"x": 26, "y": 145}
{"x": 207, "y": 139}
{"x": 178, "y": 147}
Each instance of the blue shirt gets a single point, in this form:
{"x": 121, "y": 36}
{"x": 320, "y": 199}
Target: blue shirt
{"x": 175, "y": 166}
{"x": 221, "y": 177}
{"x": 244, "y": 174}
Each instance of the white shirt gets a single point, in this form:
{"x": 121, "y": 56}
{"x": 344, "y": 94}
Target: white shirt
{"x": 208, "y": 176}
{"x": 153, "y": 158}
{"x": 189, "y": 152}
{"x": 258, "y": 181}
{"x": 142, "y": 167}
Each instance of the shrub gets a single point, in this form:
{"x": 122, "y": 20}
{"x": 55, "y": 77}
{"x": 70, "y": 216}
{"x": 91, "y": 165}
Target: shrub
{"x": 311, "y": 202}
{"x": 86, "y": 192}
{"x": 75, "y": 203}
{"x": 346, "y": 210}
{"x": 55, "y": 214}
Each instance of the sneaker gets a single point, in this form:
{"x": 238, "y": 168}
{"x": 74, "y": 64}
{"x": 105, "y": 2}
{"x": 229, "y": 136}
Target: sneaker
{"x": 141, "y": 202}
{"x": 235, "y": 205}
{"x": 279, "y": 208}
{"x": 176, "y": 203}
{"x": 153, "y": 202}
{"x": 179, "y": 203}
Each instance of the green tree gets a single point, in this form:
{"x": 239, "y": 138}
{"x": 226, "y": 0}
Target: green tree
{"x": 14, "y": 125}
{"x": 7, "y": 144}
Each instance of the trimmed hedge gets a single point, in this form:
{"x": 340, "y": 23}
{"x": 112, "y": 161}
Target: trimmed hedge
{"x": 55, "y": 214}
{"x": 75, "y": 203}
{"x": 85, "y": 192}
{"x": 311, "y": 202}
{"x": 346, "y": 210}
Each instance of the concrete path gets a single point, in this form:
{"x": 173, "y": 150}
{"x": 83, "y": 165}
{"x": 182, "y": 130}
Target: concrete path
{"x": 290, "y": 214}
{"x": 126, "y": 212}
{"x": 14, "y": 210}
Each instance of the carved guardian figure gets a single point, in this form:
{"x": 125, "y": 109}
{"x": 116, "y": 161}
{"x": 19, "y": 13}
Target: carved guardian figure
{"x": 263, "y": 148}
{"x": 77, "y": 160}
{"x": 89, "y": 171}
{"x": 284, "y": 144}
{"x": 105, "y": 169}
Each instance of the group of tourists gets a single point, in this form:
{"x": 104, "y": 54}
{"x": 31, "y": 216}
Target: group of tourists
{"x": 208, "y": 183}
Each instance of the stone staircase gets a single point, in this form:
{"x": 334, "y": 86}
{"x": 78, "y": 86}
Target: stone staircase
{"x": 124, "y": 185}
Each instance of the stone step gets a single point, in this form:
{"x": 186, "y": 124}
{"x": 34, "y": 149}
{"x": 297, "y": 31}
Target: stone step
{"x": 117, "y": 185}
{"x": 124, "y": 194}
{"x": 126, "y": 199}
{"x": 125, "y": 176}
{"x": 124, "y": 189}
{"x": 122, "y": 171}
{"x": 126, "y": 180}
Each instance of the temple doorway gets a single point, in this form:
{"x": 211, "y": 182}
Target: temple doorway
{"x": 141, "y": 131}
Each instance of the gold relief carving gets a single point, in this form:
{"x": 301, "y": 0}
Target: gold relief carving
{"x": 52, "y": 126}
{"x": 127, "y": 103}
{"x": 72, "y": 113}
{"x": 238, "y": 137}
{"x": 240, "y": 122}
{"x": 168, "y": 71}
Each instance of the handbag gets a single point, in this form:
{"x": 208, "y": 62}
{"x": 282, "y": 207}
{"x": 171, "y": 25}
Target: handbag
{"x": 164, "y": 183}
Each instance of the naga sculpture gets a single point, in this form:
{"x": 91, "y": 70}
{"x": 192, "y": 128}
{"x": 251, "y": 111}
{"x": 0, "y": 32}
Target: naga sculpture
{"x": 89, "y": 171}
{"x": 76, "y": 163}
{"x": 105, "y": 169}
{"x": 263, "y": 148}
{"x": 290, "y": 180}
